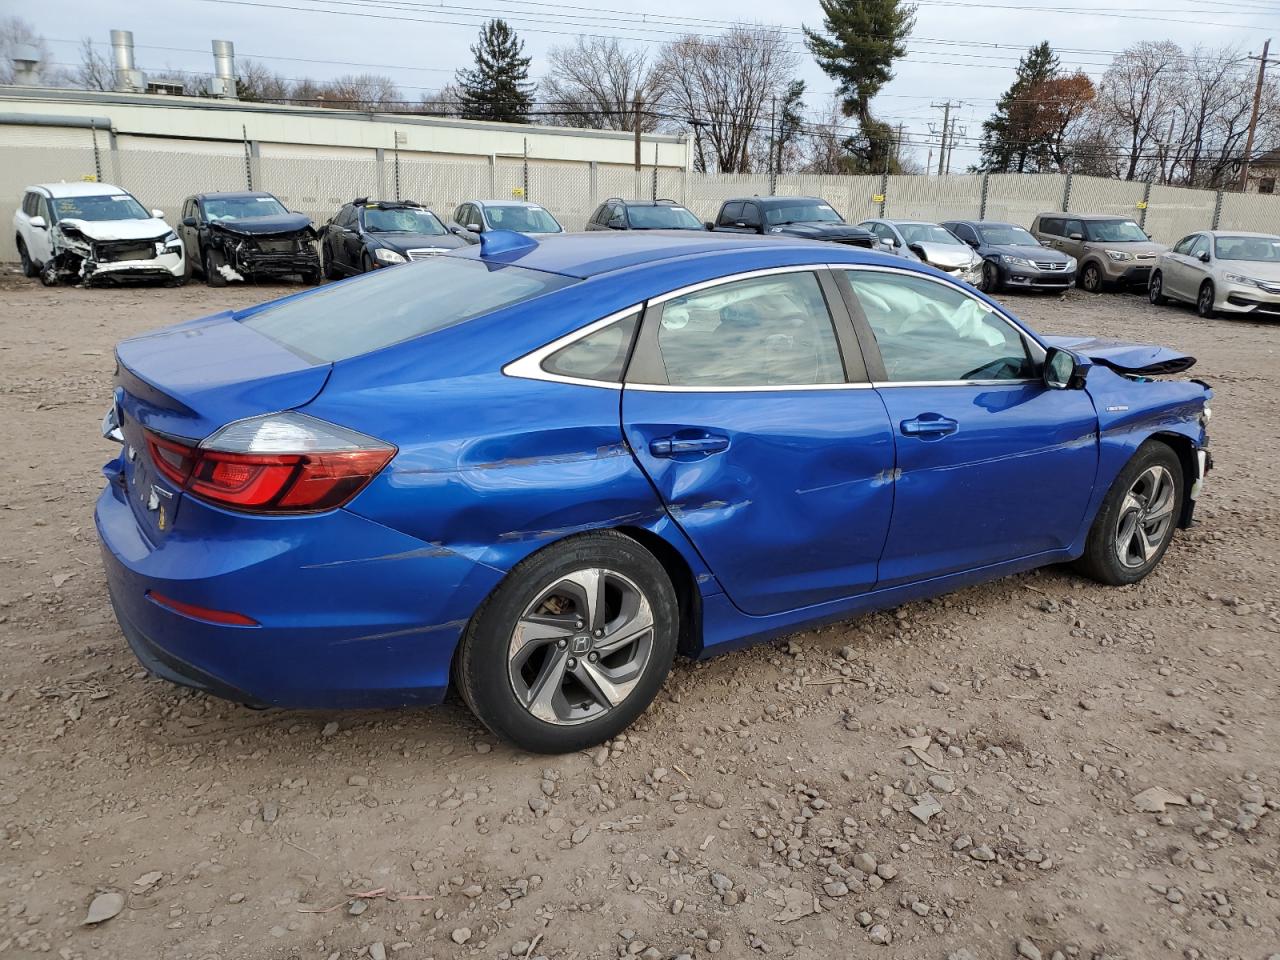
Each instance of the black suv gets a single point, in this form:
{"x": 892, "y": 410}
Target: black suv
{"x": 809, "y": 218}
{"x": 618, "y": 214}
{"x": 246, "y": 235}
{"x": 366, "y": 234}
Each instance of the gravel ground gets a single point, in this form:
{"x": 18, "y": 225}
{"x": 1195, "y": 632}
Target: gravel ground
{"x": 768, "y": 801}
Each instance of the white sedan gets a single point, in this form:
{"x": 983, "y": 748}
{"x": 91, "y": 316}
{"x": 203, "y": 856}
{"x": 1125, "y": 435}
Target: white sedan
{"x": 1221, "y": 272}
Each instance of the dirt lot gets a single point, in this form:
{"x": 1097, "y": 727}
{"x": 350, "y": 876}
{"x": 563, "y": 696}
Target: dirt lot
{"x": 761, "y": 806}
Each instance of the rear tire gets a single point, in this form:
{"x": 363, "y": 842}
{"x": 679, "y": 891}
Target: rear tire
{"x": 212, "y": 275}
{"x": 1136, "y": 521}
{"x": 1155, "y": 290}
{"x": 29, "y": 269}
{"x": 572, "y": 646}
{"x": 1205, "y": 300}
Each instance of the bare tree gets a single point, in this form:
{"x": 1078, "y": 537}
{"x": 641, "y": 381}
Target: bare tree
{"x": 722, "y": 86}
{"x": 363, "y": 91}
{"x": 594, "y": 84}
{"x": 1138, "y": 97}
{"x": 95, "y": 71}
{"x": 256, "y": 81}
{"x": 445, "y": 102}
{"x": 16, "y": 32}
{"x": 306, "y": 92}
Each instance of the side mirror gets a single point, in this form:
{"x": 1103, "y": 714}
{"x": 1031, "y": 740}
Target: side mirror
{"x": 188, "y": 221}
{"x": 1204, "y": 257}
{"x": 708, "y": 224}
{"x": 158, "y": 214}
{"x": 918, "y": 250}
{"x": 38, "y": 223}
{"x": 475, "y": 228}
{"x": 1062, "y": 371}
{"x": 1075, "y": 236}
{"x": 971, "y": 242}
{"x": 615, "y": 223}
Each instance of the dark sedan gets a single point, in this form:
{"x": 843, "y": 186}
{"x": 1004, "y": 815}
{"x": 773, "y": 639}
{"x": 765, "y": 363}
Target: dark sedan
{"x": 1013, "y": 258}
{"x": 367, "y": 234}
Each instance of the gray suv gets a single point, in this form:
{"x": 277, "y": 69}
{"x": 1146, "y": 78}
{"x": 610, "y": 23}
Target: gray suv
{"x": 1110, "y": 250}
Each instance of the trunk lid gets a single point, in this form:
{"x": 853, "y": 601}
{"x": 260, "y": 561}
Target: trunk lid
{"x": 186, "y": 382}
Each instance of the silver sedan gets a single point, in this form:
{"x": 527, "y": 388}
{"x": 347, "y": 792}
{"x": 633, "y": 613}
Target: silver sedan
{"x": 1221, "y": 271}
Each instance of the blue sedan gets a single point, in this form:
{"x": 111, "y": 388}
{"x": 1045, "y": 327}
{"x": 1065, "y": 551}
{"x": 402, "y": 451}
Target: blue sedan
{"x": 538, "y": 469}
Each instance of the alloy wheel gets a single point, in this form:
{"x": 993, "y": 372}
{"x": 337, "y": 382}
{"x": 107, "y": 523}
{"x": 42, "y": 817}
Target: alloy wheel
{"x": 581, "y": 646}
{"x": 1092, "y": 279}
{"x": 1155, "y": 292}
{"x": 1146, "y": 517}
{"x": 1205, "y": 304}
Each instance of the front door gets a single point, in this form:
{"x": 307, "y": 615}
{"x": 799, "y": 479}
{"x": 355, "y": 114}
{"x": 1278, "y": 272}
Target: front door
{"x": 773, "y": 456}
{"x": 991, "y": 464}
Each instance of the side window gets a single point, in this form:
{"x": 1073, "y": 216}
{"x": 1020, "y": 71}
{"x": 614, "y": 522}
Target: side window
{"x": 1183, "y": 246}
{"x": 762, "y": 331}
{"x": 601, "y": 355}
{"x": 28, "y": 204}
{"x": 881, "y": 231}
{"x": 730, "y": 214}
{"x": 466, "y": 216}
{"x": 751, "y": 215}
{"x": 1201, "y": 245}
{"x": 1072, "y": 228}
{"x": 928, "y": 331}
{"x": 1052, "y": 226}
{"x": 965, "y": 232}
{"x": 599, "y": 215}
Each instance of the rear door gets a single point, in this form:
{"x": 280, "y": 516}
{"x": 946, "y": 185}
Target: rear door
{"x": 992, "y": 465}
{"x": 751, "y": 414}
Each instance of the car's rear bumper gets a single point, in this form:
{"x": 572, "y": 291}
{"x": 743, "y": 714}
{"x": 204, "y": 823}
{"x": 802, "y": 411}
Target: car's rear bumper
{"x": 349, "y": 613}
{"x": 1134, "y": 275}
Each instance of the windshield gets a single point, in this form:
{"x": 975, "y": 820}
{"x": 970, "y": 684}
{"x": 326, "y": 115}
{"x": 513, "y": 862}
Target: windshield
{"x": 241, "y": 208}
{"x": 662, "y": 217}
{"x": 1256, "y": 249}
{"x": 1008, "y": 236}
{"x": 927, "y": 233}
{"x": 116, "y": 206}
{"x": 1114, "y": 231}
{"x": 802, "y": 211}
{"x": 395, "y": 305}
{"x": 526, "y": 218}
{"x": 401, "y": 220}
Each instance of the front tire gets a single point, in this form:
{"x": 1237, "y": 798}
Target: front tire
{"x": 991, "y": 278}
{"x": 212, "y": 274}
{"x": 1206, "y": 299}
{"x": 1091, "y": 278}
{"x": 1137, "y": 519}
{"x": 1155, "y": 290}
{"x": 572, "y": 646}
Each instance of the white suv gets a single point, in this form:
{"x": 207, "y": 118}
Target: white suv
{"x": 85, "y": 232}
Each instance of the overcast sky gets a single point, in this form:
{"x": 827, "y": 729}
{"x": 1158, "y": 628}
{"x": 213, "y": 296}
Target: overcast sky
{"x": 963, "y": 50}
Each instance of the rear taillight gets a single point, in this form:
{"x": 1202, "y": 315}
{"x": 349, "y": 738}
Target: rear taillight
{"x": 279, "y": 463}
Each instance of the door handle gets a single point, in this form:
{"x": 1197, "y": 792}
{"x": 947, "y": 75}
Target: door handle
{"x": 934, "y": 426}
{"x": 675, "y": 446}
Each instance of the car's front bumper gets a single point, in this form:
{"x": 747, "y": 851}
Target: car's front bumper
{"x": 166, "y": 266}
{"x": 277, "y": 264}
{"x": 1246, "y": 298}
{"x": 1033, "y": 278}
{"x": 349, "y": 613}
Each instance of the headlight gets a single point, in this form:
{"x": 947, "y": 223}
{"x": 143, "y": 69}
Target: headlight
{"x": 1119, "y": 256}
{"x": 388, "y": 256}
{"x": 1015, "y": 261}
{"x": 1071, "y": 264}
{"x": 171, "y": 239}
{"x": 1237, "y": 278}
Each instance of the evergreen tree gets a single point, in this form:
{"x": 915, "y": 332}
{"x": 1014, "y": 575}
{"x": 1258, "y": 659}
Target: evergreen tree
{"x": 857, "y": 47}
{"x": 497, "y": 88}
{"x": 1013, "y": 138}
{"x": 790, "y": 122}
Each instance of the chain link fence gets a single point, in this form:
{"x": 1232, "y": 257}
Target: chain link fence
{"x": 319, "y": 185}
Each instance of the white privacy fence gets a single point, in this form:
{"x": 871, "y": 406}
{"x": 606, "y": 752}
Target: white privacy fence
{"x": 318, "y": 185}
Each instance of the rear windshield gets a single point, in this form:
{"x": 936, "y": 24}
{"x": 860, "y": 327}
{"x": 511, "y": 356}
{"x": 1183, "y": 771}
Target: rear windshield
{"x": 663, "y": 217}
{"x": 347, "y": 319}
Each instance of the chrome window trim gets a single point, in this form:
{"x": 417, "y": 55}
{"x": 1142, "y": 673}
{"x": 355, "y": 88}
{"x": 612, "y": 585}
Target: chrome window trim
{"x": 529, "y": 367}
{"x": 763, "y": 388}
{"x": 733, "y": 278}
{"x": 1038, "y": 350}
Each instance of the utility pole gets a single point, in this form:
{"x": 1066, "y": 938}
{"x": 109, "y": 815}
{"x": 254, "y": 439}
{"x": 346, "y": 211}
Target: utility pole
{"x": 951, "y": 142}
{"x": 897, "y": 148}
{"x": 636, "y": 106}
{"x": 944, "y": 155}
{"x": 1253, "y": 120}
{"x": 773, "y": 112}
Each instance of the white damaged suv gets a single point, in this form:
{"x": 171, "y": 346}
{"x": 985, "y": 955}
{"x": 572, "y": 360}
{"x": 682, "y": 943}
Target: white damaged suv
{"x": 89, "y": 232}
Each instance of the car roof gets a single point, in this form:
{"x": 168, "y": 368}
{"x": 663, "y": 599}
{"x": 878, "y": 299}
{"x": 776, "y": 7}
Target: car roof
{"x": 989, "y": 223}
{"x": 1086, "y": 216}
{"x": 79, "y": 189}
{"x": 1237, "y": 233}
{"x": 505, "y": 203}
{"x": 773, "y": 200}
{"x": 233, "y": 195}
{"x": 583, "y": 255}
{"x": 645, "y": 203}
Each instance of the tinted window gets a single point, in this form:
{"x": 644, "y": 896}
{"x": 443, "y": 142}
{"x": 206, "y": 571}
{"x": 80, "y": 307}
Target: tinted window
{"x": 801, "y": 211}
{"x": 30, "y": 204}
{"x": 599, "y": 215}
{"x": 751, "y": 215}
{"x": 929, "y": 331}
{"x": 772, "y": 330}
{"x": 1051, "y": 226}
{"x": 1072, "y": 228}
{"x": 663, "y": 217}
{"x": 730, "y": 213}
{"x": 1015, "y": 236}
{"x": 597, "y": 356}
{"x": 241, "y": 208}
{"x": 385, "y": 307}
